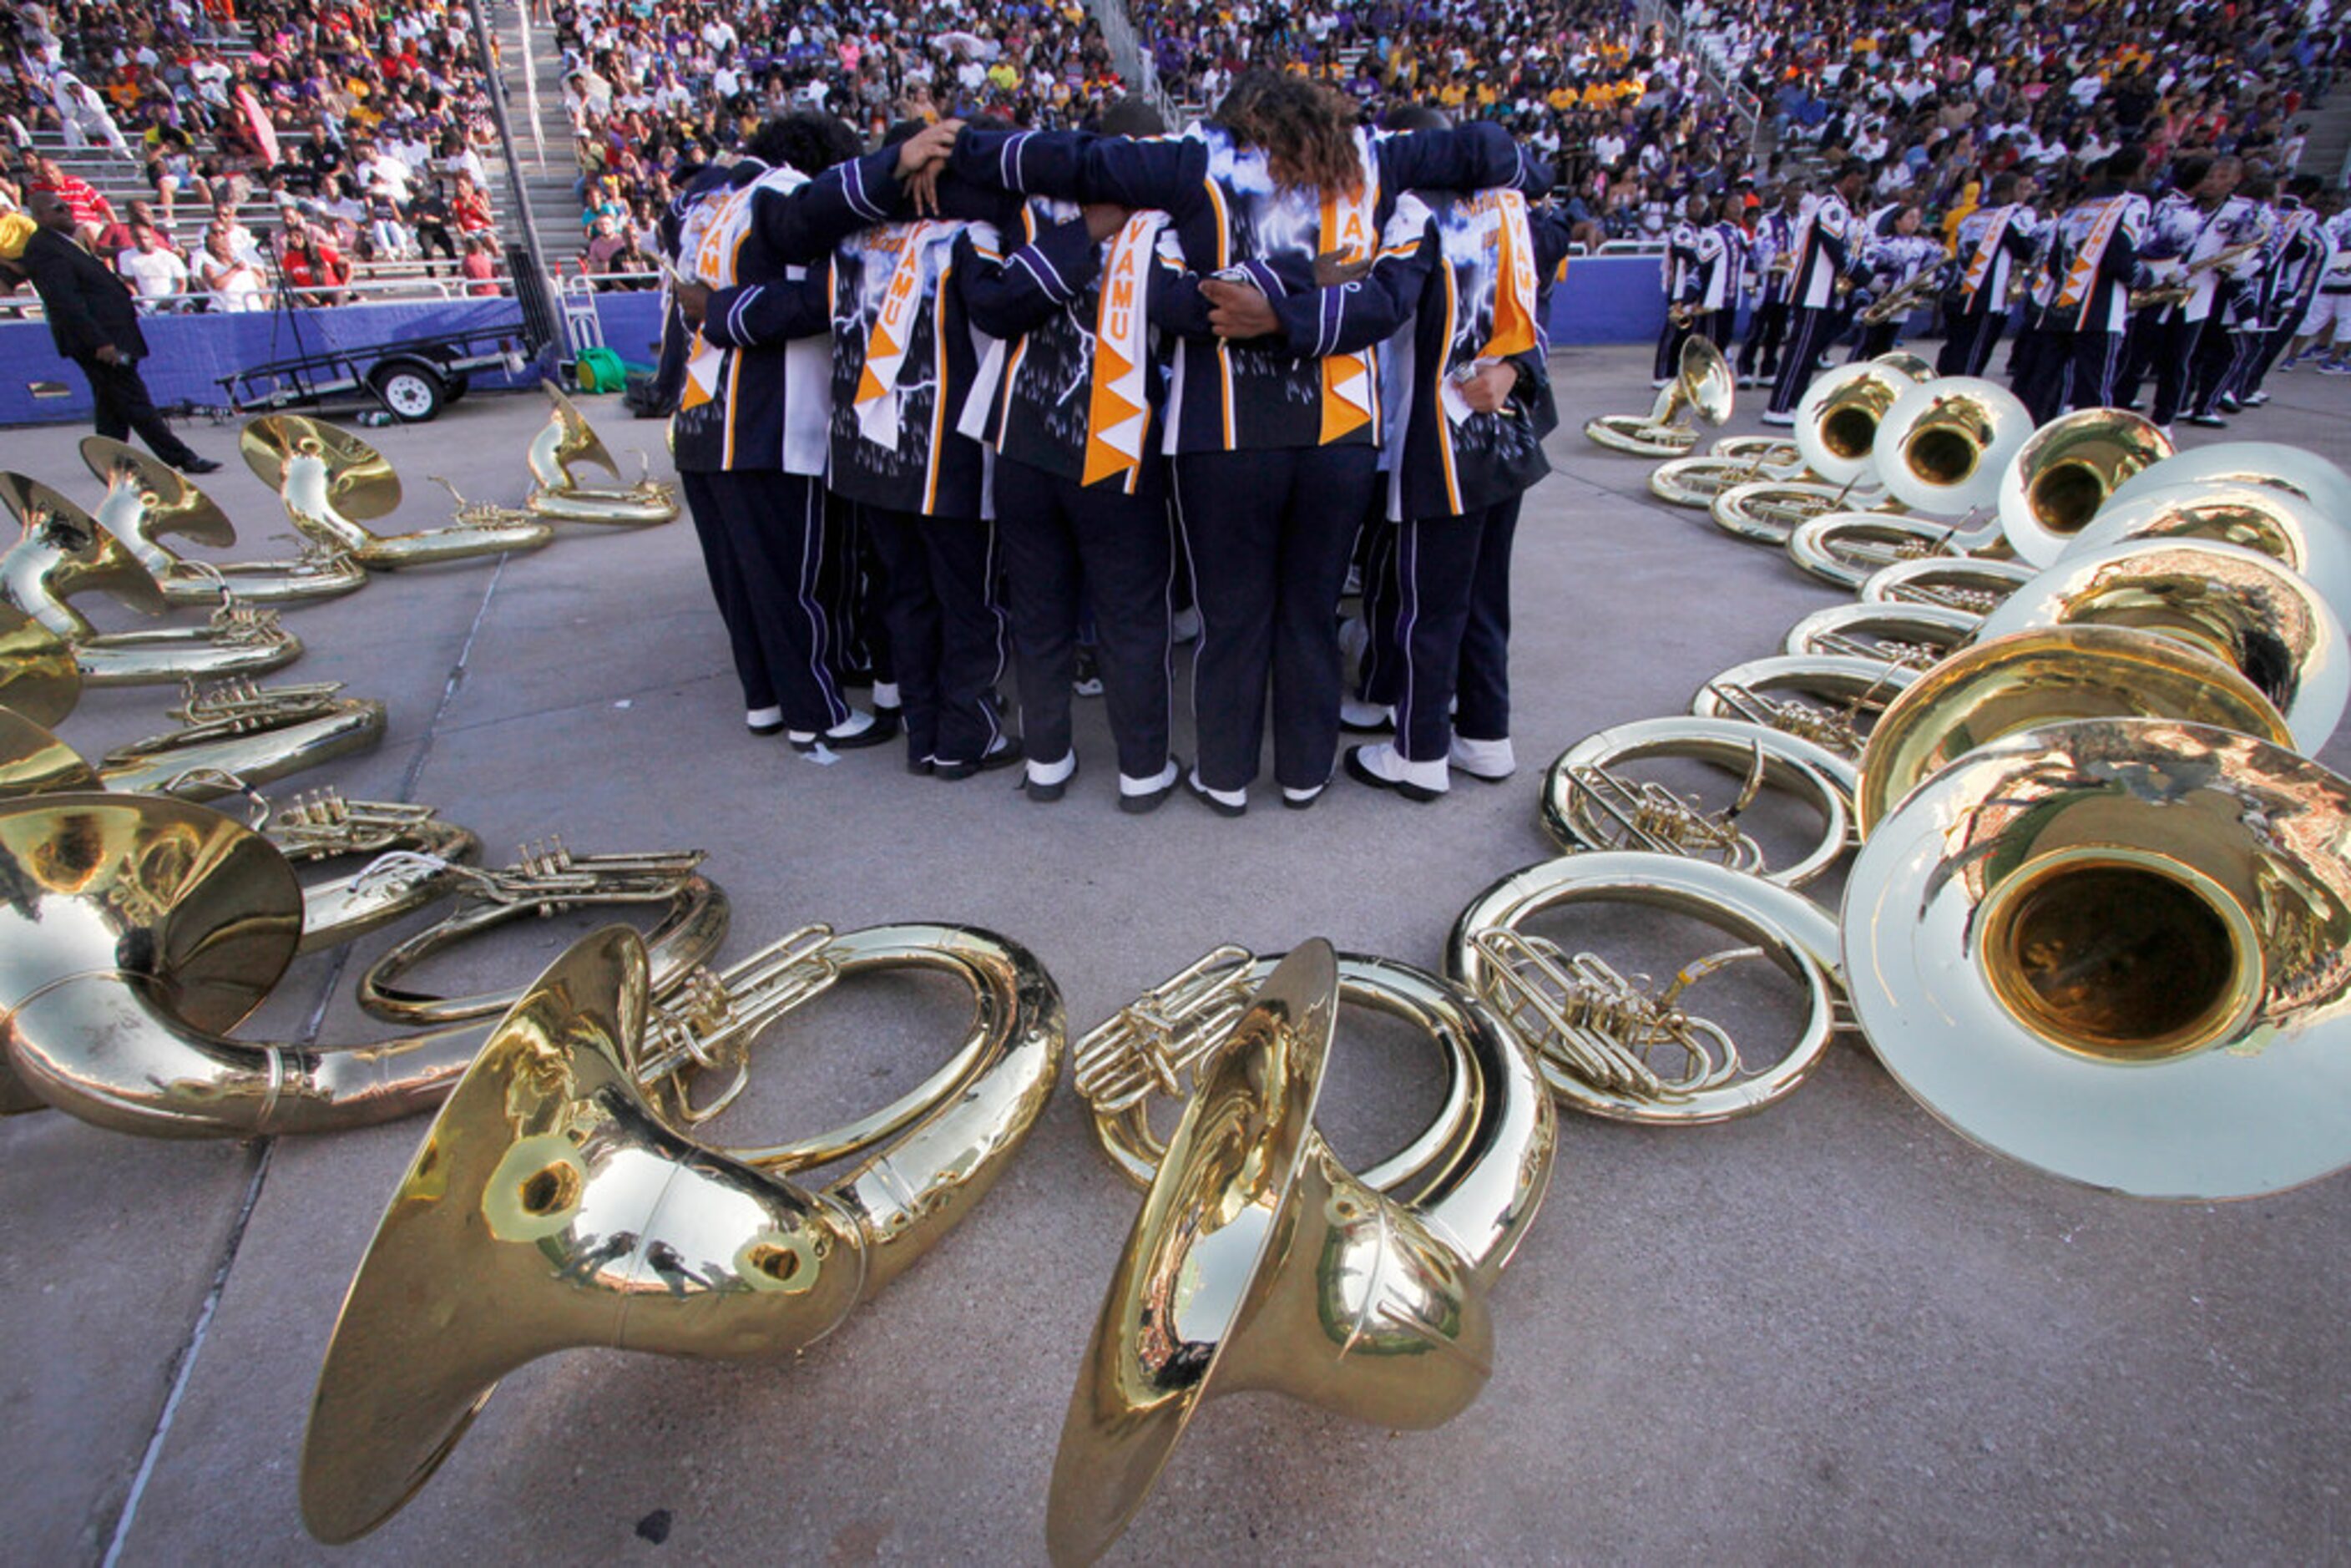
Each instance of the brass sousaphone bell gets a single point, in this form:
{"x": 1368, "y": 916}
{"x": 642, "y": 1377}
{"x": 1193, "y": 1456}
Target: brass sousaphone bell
{"x": 1836, "y": 434}
{"x": 2070, "y": 469}
{"x": 332, "y": 484}
{"x": 2113, "y": 948}
{"x": 65, "y": 554}
{"x": 558, "y": 1202}
{"x": 1940, "y": 449}
{"x": 1703, "y": 389}
{"x": 2274, "y": 463}
{"x": 148, "y": 501}
{"x": 1259, "y": 1262}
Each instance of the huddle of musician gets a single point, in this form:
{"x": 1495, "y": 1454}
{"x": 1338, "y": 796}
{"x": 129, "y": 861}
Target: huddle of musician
{"x": 1061, "y": 344}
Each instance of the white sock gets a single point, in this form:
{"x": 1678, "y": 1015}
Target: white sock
{"x": 1221, "y": 797}
{"x": 858, "y": 722}
{"x": 1486, "y": 758}
{"x": 885, "y": 694}
{"x": 1289, "y": 794}
{"x": 1150, "y": 786}
{"x": 760, "y": 718}
{"x": 1053, "y": 772}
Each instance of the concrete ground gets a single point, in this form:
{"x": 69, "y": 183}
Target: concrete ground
{"x": 1832, "y": 1331}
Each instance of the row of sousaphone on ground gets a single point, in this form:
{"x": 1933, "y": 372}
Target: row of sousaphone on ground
{"x": 567, "y": 1194}
{"x": 2099, "y": 892}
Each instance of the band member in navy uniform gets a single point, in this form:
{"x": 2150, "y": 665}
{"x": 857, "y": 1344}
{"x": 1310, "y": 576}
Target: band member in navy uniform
{"x": 1899, "y": 251}
{"x": 1775, "y": 260}
{"x": 1470, "y": 446}
{"x": 1717, "y": 277}
{"x": 1080, "y": 484}
{"x": 1681, "y": 269}
{"x": 1826, "y": 249}
{"x": 2092, "y": 261}
{"x": 906, "y": 361}
{"x": 1273, "y": 410}
{"x": 748, "y": 430}
{"x": 1995, "y": 243}
{"x": 2298, "y": 262}
{"x": 2163, "y": 338}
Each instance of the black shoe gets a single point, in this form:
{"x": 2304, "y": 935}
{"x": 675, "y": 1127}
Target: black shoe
{"x": 1291, "y": 802}
{"x": 766, "y": 729}
{"x": 920, "y": 766}
{"x": 1143, "y": 805}
{"x": 1004, "y": 756}
{"x": 1361, "y": 772}
{"x": 1087, "y": 681}
{"x": 191, "y": 464}
{"x": 1046, "y": 794}
{"x": 1200, "y": 793}
{"x": 2208, "y": 421}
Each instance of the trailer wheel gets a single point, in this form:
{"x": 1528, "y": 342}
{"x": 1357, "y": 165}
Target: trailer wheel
{"x": 410, "y": 389}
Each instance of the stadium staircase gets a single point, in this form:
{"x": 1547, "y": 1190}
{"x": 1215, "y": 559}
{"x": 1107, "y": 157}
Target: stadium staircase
{"x": 551, "y": 169}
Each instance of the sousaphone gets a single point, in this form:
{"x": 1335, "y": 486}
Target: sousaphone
{"x": 1940, "y": 449}
{"x": 1259, "y": 1262}
{"x": 63, "y": 554}
{"x": 148, "y": 502}
{"x": 559, "y": 495}
{"x": 2113, "y": 948}
{"x": 1702, "y": 388}
{"x": 2271, "y": 462}
{"x": 2069, "y": 470}
{"x": 332, "y": 484}
{"x": 560, "y": 1200}
{"x": 2275, "y": 521}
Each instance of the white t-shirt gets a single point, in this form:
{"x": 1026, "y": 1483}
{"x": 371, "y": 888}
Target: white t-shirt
{"x": 235, "y": 284}
{"x": 151, "y": 274}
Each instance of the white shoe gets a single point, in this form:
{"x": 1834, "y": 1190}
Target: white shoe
{"x": 1186, "y": 625}
{"x": 1382, "y": 767}
{"x": 1368, "y": 717}
{"x": 1493, "y": 760}
{"x": 1780, "y": 419}
{"x": 763, "y": 720}
{"x": 885, "y": 694}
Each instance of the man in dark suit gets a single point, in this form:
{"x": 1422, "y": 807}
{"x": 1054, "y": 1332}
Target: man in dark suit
{"x": 96, "y": 325}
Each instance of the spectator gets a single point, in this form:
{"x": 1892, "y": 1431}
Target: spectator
{"x": 157, "y": 276}
{"x": 314, "y": 270}
{"x": 480, "y": 265}
{"x": 230, "y": 279}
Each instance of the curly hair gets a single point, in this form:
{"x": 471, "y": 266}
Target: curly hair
{"x": 1306, "y": 128}
{"x": 808, "y": 142}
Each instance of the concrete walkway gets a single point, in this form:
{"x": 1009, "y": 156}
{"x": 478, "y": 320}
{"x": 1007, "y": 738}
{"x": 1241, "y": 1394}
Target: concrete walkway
{"x": 1832, "y": 1332}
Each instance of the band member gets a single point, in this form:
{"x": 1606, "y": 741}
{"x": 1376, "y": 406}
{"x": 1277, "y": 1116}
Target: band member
{"x": 93, "y": 321}
{"x": 906, "y": 361}
{"x": 1717, "y": 277}
{"x": 1897, "y": 257}
{"x": 1467, "y": 451}
{"x": 1775, "y": 260}
{"x": 1680, "y": 271}
{"x": 1080, "y": 484}
{"x": 2325, "y": 326}
{"x": 1824, "y": 249}
{"x": 2240, "y": 310}
{"x": 2295, "y": 271}
{"x": 2093, "y": 259}
{"x": 749, "y": 430}
{"x": 1995, "y": 242}
{"x": 1273, "y": 407}
{"x": 2164, "y": 337}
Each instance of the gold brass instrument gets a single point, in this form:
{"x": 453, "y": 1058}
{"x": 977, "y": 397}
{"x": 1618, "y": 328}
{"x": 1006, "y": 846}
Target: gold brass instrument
{"x": 1944, "y": 445}
{"x": 1769, "y": 511}
{"x": 331, "y": 483}
{"x": 556, "y": 1203}
{"x": 548, "y": 879}
{"x": 1770, "y": 449}
{"x": 314, "y": 826}
{"x": 147, "y": 501}
{"x": 1915, "y": 635}
{"x": 2068, "y": 471}
{"x": 1589, "y": 803}
{"x": 2277, "y": 523}
{"x": 1837, "y": 418}
{"x": 1902, "y": 363}
{"x": 1846, "y": 547}
{"x": 1696, "y": 481}
{"x": 1828, "y": 701}
{"x": 2273, "y": 463}
{"x": 557, "y": 493}
{"x": 1969, "y": 584}
{"x": 1613, "y": 1045}
{"x": 2170, "y": 291}
{"x": 2113, "y": 948}
{"x": 2234, "y": 605}
{"x": 259, "y": 734}
{"x": 1703, "y": 389}
{"x": 2028, "y": 679}
{"x": 65, "y": 554}
{"x": 139, "y": 930}
{"x": 38, "y": 676}
{"x": 1259, "y": 1262}
{"x": 1897, "y": 303}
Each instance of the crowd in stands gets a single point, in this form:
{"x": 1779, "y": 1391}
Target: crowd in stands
{"x": 360, "y": 130}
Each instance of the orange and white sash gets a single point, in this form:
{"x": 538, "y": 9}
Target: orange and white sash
{"x": 1351, "y": 390}
{"x": 919, "y": 245}
{"x": 2083, "y": 272}
{"x": 1118, "y": 414}
{"x": 711, "y": 242}
{"x": 1514, "y": 278}
{"x": 1987, "y": 249}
